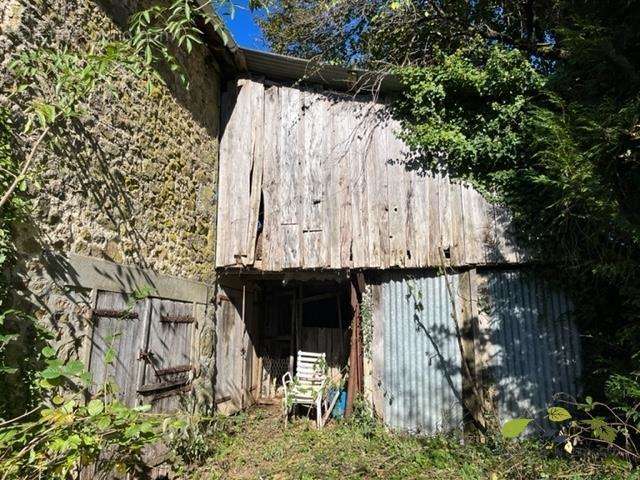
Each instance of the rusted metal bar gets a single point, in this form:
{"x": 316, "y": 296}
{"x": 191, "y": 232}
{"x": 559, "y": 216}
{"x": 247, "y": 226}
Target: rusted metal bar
{"x": 171, "y": 393}
{"x": 177, "y": 319}
{"x": 115, "y": 313}
{"x": 222, "y": 298}
{"x": 155, "y": 387}
{"x": 173, "y": 370}
{"x": 222, "y": 399}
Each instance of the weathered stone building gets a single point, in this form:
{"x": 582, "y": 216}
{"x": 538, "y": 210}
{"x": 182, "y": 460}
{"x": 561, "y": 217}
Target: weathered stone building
{"x": 127, "y": 201}
{"x": 319, "y": 220}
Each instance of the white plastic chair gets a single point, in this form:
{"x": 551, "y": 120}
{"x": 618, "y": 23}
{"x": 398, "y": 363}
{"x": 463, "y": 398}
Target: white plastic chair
{"x": 308, "y": 386}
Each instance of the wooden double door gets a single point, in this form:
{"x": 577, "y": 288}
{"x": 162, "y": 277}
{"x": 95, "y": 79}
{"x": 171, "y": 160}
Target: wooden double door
{"x": 143, "y": 350}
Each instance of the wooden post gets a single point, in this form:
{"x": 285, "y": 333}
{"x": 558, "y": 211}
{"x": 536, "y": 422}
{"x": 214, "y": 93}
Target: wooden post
{"x": 292, "y": 338}
{"x": 354, "y": 386}
{"x": 471, "y": 390}
{"x": 243, "y": 351}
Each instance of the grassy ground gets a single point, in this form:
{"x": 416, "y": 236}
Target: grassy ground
{"x": 255, "y": 445}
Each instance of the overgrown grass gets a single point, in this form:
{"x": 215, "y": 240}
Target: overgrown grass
{"x": 256, "y": 445}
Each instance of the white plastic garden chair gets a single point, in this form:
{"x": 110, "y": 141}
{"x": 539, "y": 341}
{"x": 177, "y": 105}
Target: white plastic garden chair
{"x": 308, "y": 386}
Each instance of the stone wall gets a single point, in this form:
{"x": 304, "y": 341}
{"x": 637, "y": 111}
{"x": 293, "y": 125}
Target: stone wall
{"x": 133, "y": 182}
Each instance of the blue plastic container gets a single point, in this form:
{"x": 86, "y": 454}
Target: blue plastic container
{"x": 341, "y": 404}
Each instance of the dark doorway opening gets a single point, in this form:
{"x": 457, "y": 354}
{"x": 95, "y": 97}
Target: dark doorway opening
{"x": 310, "y": 315}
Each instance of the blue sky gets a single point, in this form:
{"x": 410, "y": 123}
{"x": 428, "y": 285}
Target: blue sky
{"x": 243, "y": 26}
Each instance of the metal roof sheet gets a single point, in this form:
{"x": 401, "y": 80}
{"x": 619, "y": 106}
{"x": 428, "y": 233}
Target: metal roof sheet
{"x": 285, "y": 68}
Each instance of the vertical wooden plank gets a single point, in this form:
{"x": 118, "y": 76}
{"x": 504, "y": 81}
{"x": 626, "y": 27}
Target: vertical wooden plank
{"x": 230, "y": 367}
{"x": 418, "y": 217}
{"x": 169, "y": 346}
{"x": 507, "y": 249}
{"x": 313, "y": 198}
{"x": 492, "y": 254}
{"x": 123, "y": 334}
{"x": 467, "y": 324}
{"x": 377, "y": 194}
{"x": 477, "y": 226}
{"x": 484, "y": 227}
{"x": 377, "y": 351}
{"x": 446, "y": 217}
{"x": 290, "y": 176}
{"x": 472, "y": 247}
{"x": 331, "y": 180}
{"x": 397, "y": 190}
{"x": 458, "y": 252}
{"x": 271, "y": 257}
{"x": 87, "y": 346}
{"x": 342, "y": 136}
{"x": 484, "y": 349}
{"x": 144, "y": 340}
{"x": 223, "y": 257}
{"x": 377, "y": 214}
{"x": 362, "y": 130}
{"x": 236, "y": 158}
{"x": 435, "y": 239}
{"x": 255, "y": 194}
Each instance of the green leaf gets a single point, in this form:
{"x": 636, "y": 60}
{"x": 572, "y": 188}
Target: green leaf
{"x": 608, "y": 434}
{"x": 74, "y": 368}
{"x": 103, "y": 422}
{"x": 51, "y": 373}
{"x": 148, "y": 55}
{"x": 49, "y": 352}
{"x": 68, "y": 406}
{"x": 558, "y": 414}
{"x": 515, "y": 427}
{"x": 109, "y": 355}
{"x": 85, "y": 377}
{"x": 7, "y": 435}
{"x": 95, "y": 407}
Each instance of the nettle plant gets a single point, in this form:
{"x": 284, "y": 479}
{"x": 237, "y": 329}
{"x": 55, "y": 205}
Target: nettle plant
{"x": 66, "y": 433}
{"x": 592, "y": 423}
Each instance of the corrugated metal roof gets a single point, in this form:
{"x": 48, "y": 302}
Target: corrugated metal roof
{"x": 533, "y": 346}
{"x": 422, "y": 383}
{"x": 285, "y": 68}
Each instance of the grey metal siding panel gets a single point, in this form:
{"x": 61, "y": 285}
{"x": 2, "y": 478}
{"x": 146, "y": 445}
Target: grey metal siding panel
{"x": 421, "y": 366}
{"x": 533, "y": 344}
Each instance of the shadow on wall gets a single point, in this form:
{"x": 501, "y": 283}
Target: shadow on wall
{"x": 528, "y": 348}
{"x": 200, "y": 66}
{"x": 530, "y": 344}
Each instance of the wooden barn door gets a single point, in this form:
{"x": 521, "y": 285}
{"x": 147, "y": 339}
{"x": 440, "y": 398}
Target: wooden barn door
{"x": 144, "y": 348}
{"x": 118, "y": 333}
{"x": 166, "y": 356}
{"x": 236, "y": 362}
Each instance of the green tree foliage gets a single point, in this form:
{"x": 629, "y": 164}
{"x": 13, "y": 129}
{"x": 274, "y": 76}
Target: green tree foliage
{"x": 537, "y": 103}
{"x": 403, "y": 32}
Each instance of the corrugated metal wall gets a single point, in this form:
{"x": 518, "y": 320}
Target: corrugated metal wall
{"x": 530, "y": 343}
{"x": 421, "y": 380}
{"x": 527, "y": 344}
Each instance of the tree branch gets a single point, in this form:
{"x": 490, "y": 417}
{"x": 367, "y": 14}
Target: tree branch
{"x": 25, "y": 167}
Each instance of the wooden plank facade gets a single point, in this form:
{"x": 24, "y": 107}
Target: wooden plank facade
{"x": 316, "y": 180}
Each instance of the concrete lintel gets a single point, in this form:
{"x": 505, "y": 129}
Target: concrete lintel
{"x": 88, "y": 272}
